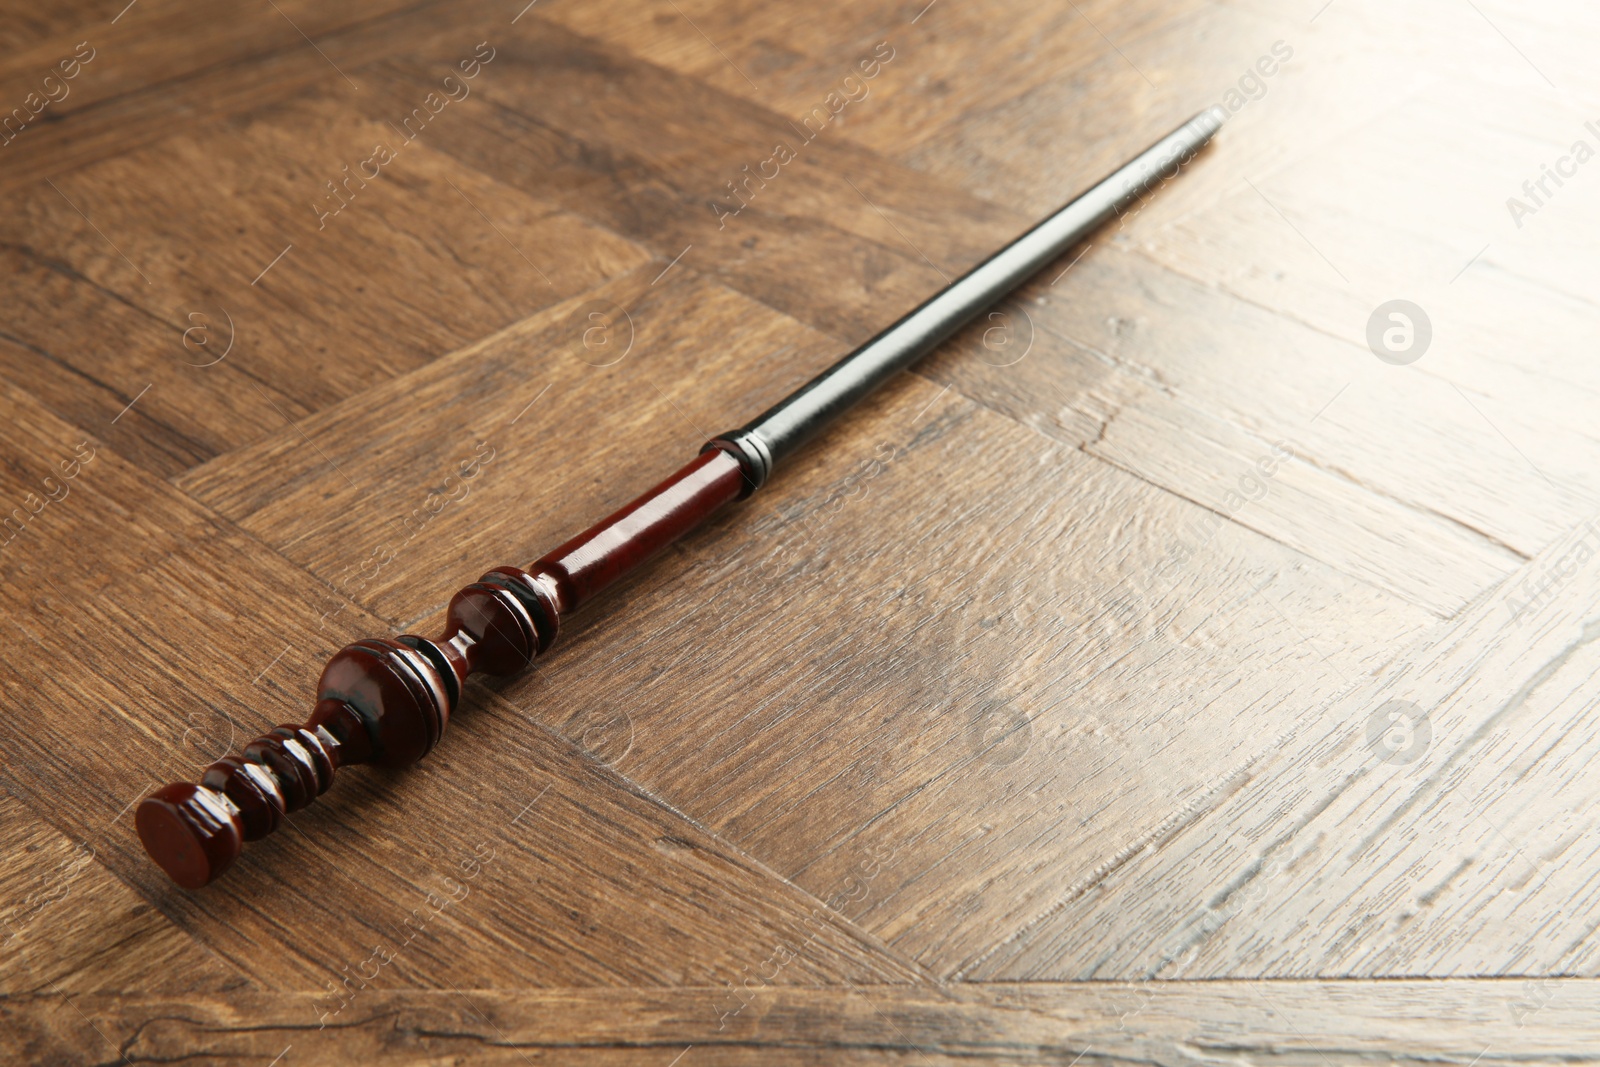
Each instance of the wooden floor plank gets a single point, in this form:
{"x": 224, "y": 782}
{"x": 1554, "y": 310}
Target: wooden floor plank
{"x": 931, "y": 93}
{"x": 1433, "y": 819}
{"x": 840, "y": 238}
{"x": 130, "y": 81}
{"x": 1170, "y": 1024}
{"x": 282, "y": 298}
{"x": 1369, "y": 478}
{"x": 70, "y": 926}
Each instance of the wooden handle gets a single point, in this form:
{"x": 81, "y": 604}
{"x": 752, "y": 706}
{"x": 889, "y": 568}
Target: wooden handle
{"x": 387, "y": 702}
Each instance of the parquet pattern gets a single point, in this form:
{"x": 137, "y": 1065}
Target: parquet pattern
{"x": 1179, "y": 666}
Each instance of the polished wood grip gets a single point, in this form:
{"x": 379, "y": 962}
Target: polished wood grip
{"x": 387, "y": 701}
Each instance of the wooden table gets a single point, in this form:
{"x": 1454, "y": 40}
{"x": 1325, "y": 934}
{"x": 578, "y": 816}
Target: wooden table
{"x": 1189, "y": 663}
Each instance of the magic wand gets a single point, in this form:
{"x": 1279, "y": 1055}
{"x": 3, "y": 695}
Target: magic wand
{"x": 387, "y": 701}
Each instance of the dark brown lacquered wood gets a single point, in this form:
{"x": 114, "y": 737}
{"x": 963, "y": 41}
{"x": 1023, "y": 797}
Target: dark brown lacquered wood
{"x": 387, "y": 702}
{"x": 596, "y": 558}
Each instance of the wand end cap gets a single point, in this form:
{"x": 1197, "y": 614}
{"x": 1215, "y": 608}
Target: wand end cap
{"x": 191, "y": 831}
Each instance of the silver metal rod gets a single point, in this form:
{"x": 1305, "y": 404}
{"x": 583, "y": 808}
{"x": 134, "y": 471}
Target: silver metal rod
{"x": 789, "y": 424}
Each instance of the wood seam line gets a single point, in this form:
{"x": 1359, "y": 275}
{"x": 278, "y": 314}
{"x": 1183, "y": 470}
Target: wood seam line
{"x": 604, "y": 46}
{"x": 177, "y": 928}
{"x": 72, "y": 273}
{"x": 204, "y": 509}
{"x": 733, "y": 851}
{"x": 489, "y": 339}
{"x": 85, "y": 376}
{"x": 1521, "y": 560}
{"x": 159, "y": 87}
{"x": 1416, "y": 652}
{"x": 1284, "y": 315}
{"x": 1178, "y": 495}
{"x": 509, "y": 330}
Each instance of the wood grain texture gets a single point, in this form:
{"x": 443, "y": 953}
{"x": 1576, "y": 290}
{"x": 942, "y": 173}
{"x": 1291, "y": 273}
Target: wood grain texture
{"x": 1456, "y": 1022}
{"x": 1468, "y": 851}
{"x": 70, "y": 924}
{"x": 553, "y": 391}
{"x": 834, "y": 238}
{"x": 129, "y": 93}
{"x": 1154, "y": 675}
{"x": 233, "y": 342}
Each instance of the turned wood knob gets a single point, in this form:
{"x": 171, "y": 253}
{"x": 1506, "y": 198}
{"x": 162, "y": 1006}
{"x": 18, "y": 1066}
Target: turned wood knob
{"x": 384, "y": 702}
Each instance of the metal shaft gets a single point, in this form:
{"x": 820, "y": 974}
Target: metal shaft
{"x": 762, "y": 443}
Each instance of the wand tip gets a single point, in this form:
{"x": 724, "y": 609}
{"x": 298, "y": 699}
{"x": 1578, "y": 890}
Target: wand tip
{"x": 1210, "y": 120}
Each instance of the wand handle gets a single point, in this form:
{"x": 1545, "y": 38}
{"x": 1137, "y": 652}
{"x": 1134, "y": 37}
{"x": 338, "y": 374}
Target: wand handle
{"x": 388, "y": 701}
